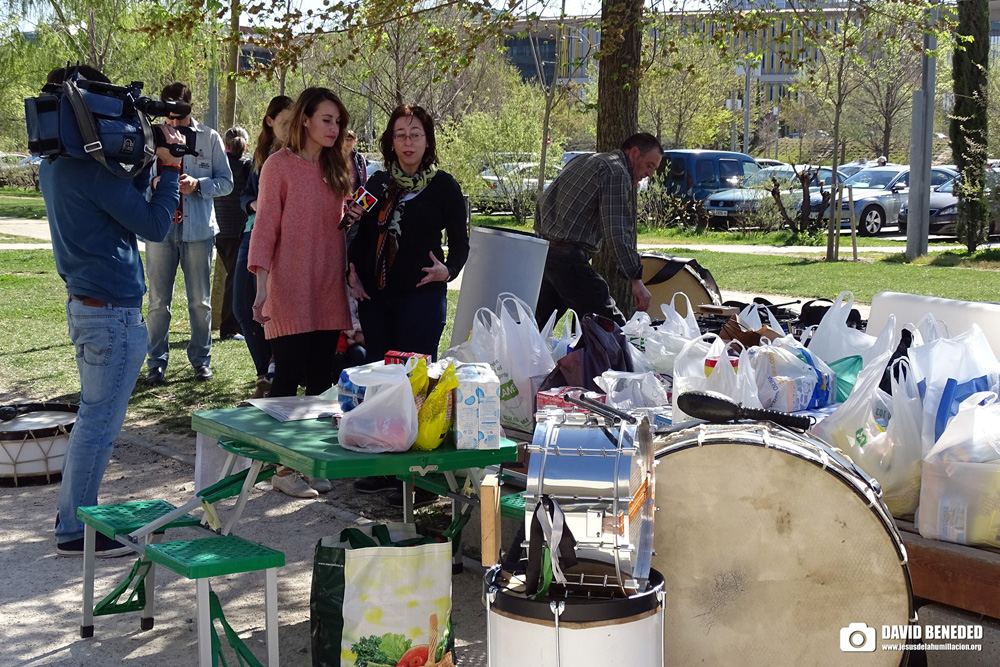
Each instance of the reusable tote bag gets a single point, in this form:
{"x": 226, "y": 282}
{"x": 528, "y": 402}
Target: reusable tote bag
{"x": 381, "y": 596}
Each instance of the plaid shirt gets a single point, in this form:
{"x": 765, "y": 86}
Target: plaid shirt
{"x": 591, "y": 200}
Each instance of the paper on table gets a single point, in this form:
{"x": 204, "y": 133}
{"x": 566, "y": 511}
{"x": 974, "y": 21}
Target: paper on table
{"x": 297, "y": 408}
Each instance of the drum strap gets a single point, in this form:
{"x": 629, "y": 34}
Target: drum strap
{"x": 551, "y": 531}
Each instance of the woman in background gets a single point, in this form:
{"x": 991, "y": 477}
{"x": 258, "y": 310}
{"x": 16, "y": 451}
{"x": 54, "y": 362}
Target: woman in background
{"x": 232, "y": 220}
{"x": 273, "y": 133}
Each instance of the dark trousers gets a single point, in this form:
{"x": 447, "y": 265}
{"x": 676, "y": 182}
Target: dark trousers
{"x": 569, "y": 281}
{"x": 244, "y": 293}
{"x": 305, "y": 355}
{"x": 410, "y": 322}
{"x": 228, "y": 250}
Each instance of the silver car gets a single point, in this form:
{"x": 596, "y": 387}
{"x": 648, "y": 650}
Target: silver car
{"x": 879, "y": 193}
{"x": 743, "y": 201}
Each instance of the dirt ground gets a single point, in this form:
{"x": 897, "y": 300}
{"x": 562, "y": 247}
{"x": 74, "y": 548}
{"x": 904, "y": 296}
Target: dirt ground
{"x": 40, "y": 600}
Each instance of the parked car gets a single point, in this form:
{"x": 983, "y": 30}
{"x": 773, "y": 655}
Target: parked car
{"x": 745, "y": 200}
{"x": 879, "y": 193}
{"x": 373, "y": 166}
{"x": 510, "y": 186}
{"x": 851, "y": 168}
{"x": 769, "y": 162}
{"x": 698, "y": 174}
{"x": 570, "y": 155}
{"x": 13, "y": 159}
{"x": 944, "y": 208}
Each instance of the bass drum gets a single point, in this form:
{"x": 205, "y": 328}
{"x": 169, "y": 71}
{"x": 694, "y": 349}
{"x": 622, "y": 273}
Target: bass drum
{"x": 664, "y": 275}
{"x": 772, "y": 544}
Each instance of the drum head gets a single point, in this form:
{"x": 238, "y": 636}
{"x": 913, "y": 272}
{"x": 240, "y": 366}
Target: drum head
{"x": 41, "y": 424}
{"x": 766, "y": 556}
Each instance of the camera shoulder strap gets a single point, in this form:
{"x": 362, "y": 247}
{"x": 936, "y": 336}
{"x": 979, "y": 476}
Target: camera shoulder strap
{"x": 88, "y": 130}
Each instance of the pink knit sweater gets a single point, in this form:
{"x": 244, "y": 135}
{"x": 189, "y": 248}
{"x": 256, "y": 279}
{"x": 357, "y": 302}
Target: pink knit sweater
{"x": 296, "y": 240}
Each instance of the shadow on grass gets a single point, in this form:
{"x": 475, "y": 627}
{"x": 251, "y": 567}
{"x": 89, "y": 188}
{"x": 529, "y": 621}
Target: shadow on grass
{"x": 982, "y": 259}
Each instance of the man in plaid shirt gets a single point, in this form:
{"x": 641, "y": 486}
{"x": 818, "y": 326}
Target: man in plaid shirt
{"x": 593, "y": 199}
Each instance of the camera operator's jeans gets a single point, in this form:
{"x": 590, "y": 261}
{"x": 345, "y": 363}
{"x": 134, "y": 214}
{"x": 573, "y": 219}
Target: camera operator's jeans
{"x": 110, "y": 344}
{"x": 195, "y": 259}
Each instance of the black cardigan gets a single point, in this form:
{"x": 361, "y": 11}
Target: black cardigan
{"x": 438, "y": 207}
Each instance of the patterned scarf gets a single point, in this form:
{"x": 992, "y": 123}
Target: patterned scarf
{"x": 390, "y": 215}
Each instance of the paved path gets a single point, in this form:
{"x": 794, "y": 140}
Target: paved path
{"x": 39, "y": 229}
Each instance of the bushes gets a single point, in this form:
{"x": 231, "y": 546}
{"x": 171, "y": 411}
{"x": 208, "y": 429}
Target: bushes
{"x": 24, "y": 178}
{"x": 658, "y": 206}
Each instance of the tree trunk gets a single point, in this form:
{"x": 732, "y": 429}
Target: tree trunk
{"x": 232, "y": 66}
{"x": 969, "y": 121}
{"x": 618, "y": 111}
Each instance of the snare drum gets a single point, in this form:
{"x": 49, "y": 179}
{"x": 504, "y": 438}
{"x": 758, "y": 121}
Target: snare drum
{"x": 601, "y": 475}
{"x": 34, "y": 441}
{"x": 772, "y": 544}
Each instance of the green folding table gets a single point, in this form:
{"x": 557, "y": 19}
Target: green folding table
{"x": 310, "y": 447}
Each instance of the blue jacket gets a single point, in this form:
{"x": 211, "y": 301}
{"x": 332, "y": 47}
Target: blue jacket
{"x": 211, "y": 167}
{"x": 94, "y": 218}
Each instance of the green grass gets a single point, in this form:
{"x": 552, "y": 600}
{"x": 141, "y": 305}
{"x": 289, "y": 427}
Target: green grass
{"x": 975, "y": 279}
{"x": 20, "y": 191}
{"x": 22, "y": 206}
{"x": 37, "y": 360}
{"x": 13, "y": 238}
{"x": 686, "y": 235}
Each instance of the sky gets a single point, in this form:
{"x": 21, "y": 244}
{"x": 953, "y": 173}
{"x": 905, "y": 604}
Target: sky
{"x": 544, "y": 7}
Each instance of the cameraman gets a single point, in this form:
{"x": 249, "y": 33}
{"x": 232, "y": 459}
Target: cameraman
{"x": 189, "y": 243}
{"x": 94, "y": 218}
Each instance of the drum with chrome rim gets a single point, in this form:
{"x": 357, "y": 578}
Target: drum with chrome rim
{"x": 772, "y": 544}
{"x": 600, "y": 472}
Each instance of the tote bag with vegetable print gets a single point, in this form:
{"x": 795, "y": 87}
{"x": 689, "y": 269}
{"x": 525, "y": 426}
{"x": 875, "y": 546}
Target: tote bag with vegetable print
{"x": 381, "y": 596}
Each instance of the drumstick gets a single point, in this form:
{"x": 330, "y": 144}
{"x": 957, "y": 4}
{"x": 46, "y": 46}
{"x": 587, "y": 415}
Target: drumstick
{"x": 718, "y": 408}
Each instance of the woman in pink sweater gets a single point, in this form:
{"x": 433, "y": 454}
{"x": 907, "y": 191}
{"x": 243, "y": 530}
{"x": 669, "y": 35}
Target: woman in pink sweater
{"x": 297, "y": 251}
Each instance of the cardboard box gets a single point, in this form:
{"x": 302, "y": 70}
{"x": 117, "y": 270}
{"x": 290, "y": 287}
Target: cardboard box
{"x": 553, "y": 398}
{"x": 477, "y": 407}
{"x": 394, "y": 357}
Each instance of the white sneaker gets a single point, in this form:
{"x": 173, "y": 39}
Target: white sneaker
{"x": 319, "y": 484}
{"x": 293, "y": 485}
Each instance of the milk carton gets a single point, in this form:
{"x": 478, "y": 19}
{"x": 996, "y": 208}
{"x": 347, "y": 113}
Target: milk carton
{"x": 477, "y": 407}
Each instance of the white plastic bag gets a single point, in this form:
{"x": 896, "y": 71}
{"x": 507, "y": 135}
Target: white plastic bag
{"x": 520, "y": 353}
{"x": 690, "y": 374}
{"x": 387, "y": 420}
{"x": 789, "y": 378}
{"x": 686, "y": 326}
{"x": 864, "y": 415}
{"x": 478, "y": 349}
{"x": 899, "y": 453}
{"x": 627, "y": 391}
{"x": 833, "y": 339}
{"x": 571, "y": 333}
{"x": 951, "y": 369}
{"x": 750, "y": 318}
{"x": 881, "y": 433}
{"x": 960, "y": 485}
{"x": 638, "y": 327}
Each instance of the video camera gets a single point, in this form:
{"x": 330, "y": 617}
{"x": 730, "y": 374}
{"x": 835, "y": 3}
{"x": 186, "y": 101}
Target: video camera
{"x": 92, "y": 119}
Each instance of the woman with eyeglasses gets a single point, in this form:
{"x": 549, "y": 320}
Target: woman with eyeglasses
{"x": 398, "y": 270}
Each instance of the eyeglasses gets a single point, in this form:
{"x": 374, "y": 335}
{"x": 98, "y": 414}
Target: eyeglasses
{"x": 401, "y": 138}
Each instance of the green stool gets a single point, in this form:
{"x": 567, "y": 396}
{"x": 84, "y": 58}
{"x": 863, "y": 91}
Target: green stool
{"x": 512, "y": 506}
{"x": 208, "y": 557}
{"x": 122, "y": 519}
